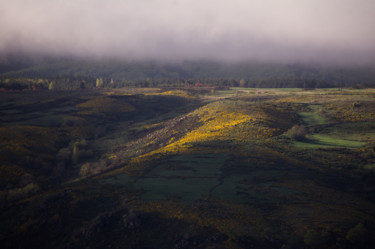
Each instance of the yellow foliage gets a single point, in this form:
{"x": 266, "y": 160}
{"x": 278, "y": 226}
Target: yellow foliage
{"x": 346, "y": 112}
{"x": 179, "y": 93}
{"x": 220, "y": 122}
{"x": 151, "y": 126}
{"x": 112, "y": 156}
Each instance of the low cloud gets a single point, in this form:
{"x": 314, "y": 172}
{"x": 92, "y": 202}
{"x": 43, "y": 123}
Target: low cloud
{"x": 331, "y": 31}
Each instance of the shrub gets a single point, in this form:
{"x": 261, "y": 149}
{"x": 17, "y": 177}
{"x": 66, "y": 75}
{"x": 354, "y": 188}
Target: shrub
{"x": 85, "y": 169}
{"x": 79, "y": 151}
{"x": 63, "y": 156}
{"x": 312, "y": 238}
{"x": 18, "y": 193}
{"x": 297, "y": 132}
{"x": 357, "y": 235}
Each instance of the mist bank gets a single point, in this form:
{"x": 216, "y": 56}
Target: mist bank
{"x": 289, "y": 31}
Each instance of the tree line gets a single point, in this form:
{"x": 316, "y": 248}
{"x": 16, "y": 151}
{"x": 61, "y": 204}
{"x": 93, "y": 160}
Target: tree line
{"x": 23, "y": 84}
{"x": 78, "y": 74}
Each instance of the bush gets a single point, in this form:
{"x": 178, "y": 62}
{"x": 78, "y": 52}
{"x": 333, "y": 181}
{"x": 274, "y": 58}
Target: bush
{"x": 313, "y": 239}
{"x": 18, "y": 193}
{"x": 79, "y": 151}
{"x": 85, "y": 169}
{"x": 297, "y": 132}
{"x": 64, "y": 156}
{"x": 357, "y": 235}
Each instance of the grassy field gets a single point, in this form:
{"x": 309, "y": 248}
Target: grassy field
{"x": 187, "y": 168}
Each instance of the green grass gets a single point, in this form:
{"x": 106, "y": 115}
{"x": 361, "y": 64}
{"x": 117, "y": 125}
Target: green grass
{"x": 326, "y": 141}
{"x": 45, "y": 120}
{"x": 191, "y": 166}
{"x": 187, "y": 190}
{"x": 273, "y": 89}
{"x": 260, "y": 184}
{"x": 370, "y": 167}
{"x": 186, "y": 177}
{"x": 355, "y": 131}
{"x": 337, "y": 136}
{"x": 121, "y": 179}
{"x": 232, "y": 189}
{"x": 343, "y": 135}
{"x": 313, "y": 117}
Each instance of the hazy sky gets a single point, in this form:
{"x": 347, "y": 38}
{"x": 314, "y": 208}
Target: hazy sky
{"x": 270, "y": 30}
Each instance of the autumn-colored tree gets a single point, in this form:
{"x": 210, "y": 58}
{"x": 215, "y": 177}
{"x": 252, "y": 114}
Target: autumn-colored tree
{"x": 51, "y": 86}
{"x": 99, "y": 82}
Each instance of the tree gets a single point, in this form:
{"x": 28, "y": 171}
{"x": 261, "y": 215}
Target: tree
{"x": 85, "y": 169}
{"x": 242, "y": 83}
{"x": 51, "y": 86}
{"x": 99, "y": 82}
{"x": 357, "y": 235}
{"x": 75, "y": 156}
{"x": 313, "y": 239}
{"x": 297, "y": 132}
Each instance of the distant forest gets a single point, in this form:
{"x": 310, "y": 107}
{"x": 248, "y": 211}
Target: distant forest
{"x": 21, "y": 73}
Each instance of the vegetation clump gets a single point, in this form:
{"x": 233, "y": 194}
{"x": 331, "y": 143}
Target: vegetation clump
{"x": 297, "y": 132}
{"x": 313, "y": 239}
{"x": 179, "y": 93}
{"x": 357, "y": 235}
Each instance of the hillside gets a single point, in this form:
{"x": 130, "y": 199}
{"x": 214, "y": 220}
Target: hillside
{"x": 146, "y": 168}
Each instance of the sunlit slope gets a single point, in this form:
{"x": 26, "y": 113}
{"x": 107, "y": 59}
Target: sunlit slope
{"x": 223, "y": 126}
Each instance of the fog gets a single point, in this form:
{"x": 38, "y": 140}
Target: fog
{"x": 329, "y": 31}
